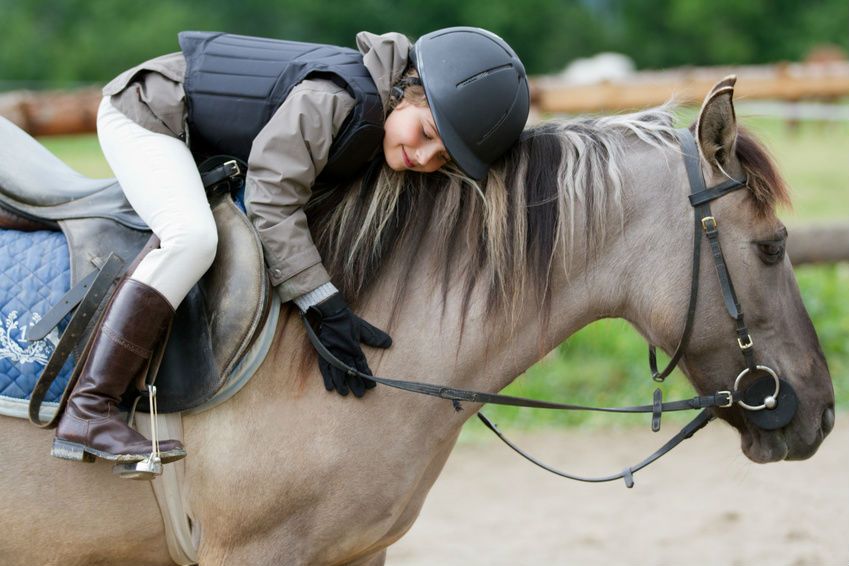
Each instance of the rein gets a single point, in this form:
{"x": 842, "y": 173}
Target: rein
{"x": 780, "y": 408}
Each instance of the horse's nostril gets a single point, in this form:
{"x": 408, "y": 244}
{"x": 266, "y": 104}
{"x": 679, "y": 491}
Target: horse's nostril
{"x": 828, "y": 420}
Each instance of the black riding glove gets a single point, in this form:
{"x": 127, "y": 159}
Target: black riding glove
{"x": 341, "y": 332}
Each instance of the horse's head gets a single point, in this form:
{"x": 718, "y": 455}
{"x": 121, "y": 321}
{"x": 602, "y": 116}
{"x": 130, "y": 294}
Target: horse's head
{"x": 752, "y": 241}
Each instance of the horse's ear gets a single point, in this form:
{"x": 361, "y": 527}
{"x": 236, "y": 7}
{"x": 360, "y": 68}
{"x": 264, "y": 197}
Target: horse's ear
{"x": 728, "y": 81}
{"x": 716, "y": 126}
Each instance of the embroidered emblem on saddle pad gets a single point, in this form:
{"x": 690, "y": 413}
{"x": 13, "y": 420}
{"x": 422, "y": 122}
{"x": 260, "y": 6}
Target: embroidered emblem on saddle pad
{"x": 35, "y": 272}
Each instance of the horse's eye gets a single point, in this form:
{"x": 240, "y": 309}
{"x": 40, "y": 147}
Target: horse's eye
{"x": 771, "y": 252}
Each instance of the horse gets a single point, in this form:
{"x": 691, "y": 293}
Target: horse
{"x": 582, "y": 220}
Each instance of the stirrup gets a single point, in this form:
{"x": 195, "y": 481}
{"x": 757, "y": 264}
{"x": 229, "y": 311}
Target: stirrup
{"x": 151, "y": 467}
{"x": 148, "y": 469}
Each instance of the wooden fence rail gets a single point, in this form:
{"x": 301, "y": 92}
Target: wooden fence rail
{"x": 789, "y": 82}
{"x": 819, "y": 243}
{"x": 52, "y": 113}
{"x": 71, "y": 112}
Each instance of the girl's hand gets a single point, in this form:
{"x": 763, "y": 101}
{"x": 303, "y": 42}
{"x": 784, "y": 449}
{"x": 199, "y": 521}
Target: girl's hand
{"x": 341, "y": 332}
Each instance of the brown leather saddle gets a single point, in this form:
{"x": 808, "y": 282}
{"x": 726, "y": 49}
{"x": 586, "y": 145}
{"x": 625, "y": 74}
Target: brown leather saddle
{"x": 222, "y": 315}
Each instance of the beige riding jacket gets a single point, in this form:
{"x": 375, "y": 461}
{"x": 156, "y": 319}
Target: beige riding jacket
{"x": 286, "y": 156}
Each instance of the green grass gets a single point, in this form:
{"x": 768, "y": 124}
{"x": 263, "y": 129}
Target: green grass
{"x": 82, "y": 152}
{"x": 606, "y": 362}
{"x": 814, "y": 158}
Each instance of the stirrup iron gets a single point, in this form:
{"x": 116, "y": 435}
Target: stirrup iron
{"x": 151, "y": 467}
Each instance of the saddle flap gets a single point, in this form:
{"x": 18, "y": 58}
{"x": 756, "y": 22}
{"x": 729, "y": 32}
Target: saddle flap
{"x": 219, "y": 319}
{"x": 213, "y": 329}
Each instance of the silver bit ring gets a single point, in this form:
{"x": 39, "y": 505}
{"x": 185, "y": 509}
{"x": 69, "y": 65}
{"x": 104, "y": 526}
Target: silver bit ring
{"x": 770, "y": 400}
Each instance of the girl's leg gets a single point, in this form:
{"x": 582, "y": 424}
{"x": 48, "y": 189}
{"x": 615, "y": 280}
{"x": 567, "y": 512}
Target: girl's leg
{"x": 162, "y": 183}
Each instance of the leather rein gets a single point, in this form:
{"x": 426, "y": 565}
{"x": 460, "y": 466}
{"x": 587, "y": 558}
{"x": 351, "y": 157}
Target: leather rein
{"x": 779, "y": 403}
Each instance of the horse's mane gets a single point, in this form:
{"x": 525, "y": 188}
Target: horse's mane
{"x": 512, "y": 230}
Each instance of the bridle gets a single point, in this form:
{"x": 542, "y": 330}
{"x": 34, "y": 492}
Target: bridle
{"x": 766, "y": 414}
{"x": 770, "y": 402}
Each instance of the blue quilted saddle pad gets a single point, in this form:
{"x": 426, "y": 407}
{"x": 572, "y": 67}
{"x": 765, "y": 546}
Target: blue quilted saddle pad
{"x": 35, "y": 273}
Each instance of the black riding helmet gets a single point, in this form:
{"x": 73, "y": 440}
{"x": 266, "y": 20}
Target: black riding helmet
{"x": 477, "y": 90}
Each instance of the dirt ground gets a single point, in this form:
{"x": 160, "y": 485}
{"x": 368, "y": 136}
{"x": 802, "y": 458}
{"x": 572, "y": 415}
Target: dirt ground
{"x": 703, "y": 504}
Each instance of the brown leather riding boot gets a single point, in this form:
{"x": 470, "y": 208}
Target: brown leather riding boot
{"x": 134, "y": 323}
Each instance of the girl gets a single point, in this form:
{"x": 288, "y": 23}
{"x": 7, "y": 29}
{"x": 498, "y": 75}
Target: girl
{"x": 296, "y": 113}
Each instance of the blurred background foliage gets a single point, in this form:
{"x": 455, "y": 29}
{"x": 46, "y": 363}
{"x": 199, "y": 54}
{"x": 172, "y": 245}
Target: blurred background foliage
{"x": 58, "y": 43}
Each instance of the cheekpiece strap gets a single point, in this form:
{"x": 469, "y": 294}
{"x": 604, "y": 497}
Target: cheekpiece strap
{"x": 700, "y": 199}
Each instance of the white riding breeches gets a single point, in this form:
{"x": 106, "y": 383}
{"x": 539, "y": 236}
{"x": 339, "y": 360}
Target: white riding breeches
{"x": 161, "y": 181}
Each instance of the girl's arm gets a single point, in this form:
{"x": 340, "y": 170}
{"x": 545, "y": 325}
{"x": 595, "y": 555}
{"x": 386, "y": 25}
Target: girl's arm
{"x": 286, "y": 158}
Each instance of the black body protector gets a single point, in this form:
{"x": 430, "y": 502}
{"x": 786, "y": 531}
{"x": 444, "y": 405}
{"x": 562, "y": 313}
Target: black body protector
{"x": 234, "y": 84}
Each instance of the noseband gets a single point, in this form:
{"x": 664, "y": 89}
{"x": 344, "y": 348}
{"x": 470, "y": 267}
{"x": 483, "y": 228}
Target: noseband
{"x": 770, "y": 402}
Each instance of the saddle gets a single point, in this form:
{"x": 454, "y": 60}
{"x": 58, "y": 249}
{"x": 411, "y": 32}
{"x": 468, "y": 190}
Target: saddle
{"x": 217, "y": 323}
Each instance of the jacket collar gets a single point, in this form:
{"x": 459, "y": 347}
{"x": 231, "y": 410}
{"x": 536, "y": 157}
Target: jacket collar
{"x": 385, "y": 57}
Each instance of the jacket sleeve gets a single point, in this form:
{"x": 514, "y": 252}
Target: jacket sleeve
{"x": 285, "y": 159}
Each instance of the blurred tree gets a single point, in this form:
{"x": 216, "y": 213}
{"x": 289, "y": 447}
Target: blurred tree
{"x": 62, "y": 42}
{"x": 69, "y": 41}
{"x": 662, "y": 33}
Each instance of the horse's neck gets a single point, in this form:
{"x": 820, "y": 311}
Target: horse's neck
{"x": 491, "y": 352}
{"x": 488, "y": 354}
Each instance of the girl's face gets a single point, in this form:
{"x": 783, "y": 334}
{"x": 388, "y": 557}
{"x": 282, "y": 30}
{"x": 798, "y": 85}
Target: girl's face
{"x": 410, "y": 140}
